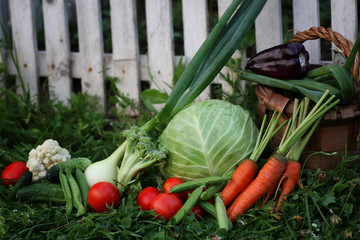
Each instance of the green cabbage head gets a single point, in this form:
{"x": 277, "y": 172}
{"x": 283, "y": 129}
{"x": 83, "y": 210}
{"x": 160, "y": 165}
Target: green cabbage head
{"x": 208, "y": 138}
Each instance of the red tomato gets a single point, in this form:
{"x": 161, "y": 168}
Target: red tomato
{"x": 142, "y": 172}
{"x": 166, "y": 205}
{"x": 170, "y": 183}
{"x": 103, "y": 193}
{"x": 13, "y": 172}
{"x": 146, "y": 196}
{"x": 198, "y": 211}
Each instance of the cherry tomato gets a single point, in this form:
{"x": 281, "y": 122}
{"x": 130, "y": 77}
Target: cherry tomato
{"x": 103, "y": 193}
{"x": 146, "y": 196}
{"x": 198, "y": 211}
{"x": 166, "y": 205}
{"x": 13, "y": 172}
{"x": 142, "y": 172}
{"x": 170, "y": 183}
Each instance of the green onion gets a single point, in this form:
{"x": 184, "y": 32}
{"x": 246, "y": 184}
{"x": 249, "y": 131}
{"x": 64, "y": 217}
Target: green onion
{"x": 342, "y": 76}
{"x": 314, "y": 84}
{"x": 350, "y": 60}
{"x": 316, "y": 113}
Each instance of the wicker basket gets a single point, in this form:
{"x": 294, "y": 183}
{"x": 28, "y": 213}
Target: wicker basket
{"x": 339, "y": 131}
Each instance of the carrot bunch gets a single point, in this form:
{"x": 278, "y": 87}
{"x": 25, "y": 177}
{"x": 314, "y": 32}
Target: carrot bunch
{"x": 272, "y": 173}
{"x": 291, "y": 174}
{"x": 247, "y": 170}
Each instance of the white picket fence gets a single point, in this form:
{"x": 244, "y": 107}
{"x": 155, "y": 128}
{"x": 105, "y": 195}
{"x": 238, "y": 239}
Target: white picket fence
{"x": 60, "y": 65}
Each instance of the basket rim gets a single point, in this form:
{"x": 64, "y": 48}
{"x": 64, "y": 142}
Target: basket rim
{"x": 338, "y": 40}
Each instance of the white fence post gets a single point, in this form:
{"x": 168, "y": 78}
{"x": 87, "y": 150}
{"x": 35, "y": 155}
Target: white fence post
{"x": 160, "y": 43}
{"x": 303, "y": 20}
{"x": 125, "y": 61}
{"x": 268, "y": 26}
{"x": 195, "y": 22}
{"x": 344, "y": 20}
{"x": 88, "y": 14}
{"x": 24, "y": 39}
{"x": 126, "y": 58}
{"x": 57, "y": 44}
{"x": 222, "y": 6}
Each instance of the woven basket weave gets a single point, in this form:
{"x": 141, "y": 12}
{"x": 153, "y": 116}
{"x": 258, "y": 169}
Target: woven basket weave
{"x": 339, "y": 131}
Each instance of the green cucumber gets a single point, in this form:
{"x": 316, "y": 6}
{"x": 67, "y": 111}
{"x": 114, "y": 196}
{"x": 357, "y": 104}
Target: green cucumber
{"x": 24, "y": 180}
{"x": 53, "y": 174}
{"x": 42, "y": 193}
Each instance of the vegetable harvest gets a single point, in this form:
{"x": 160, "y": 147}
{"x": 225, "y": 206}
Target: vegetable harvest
{"x": 203, "y": 160}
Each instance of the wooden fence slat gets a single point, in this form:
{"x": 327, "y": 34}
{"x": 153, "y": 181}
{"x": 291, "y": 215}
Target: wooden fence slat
{"x": 268, "y": 26}
{"x": 57, "y": 48}
{"x": 160, "y": 43}
{"x": 24, "y": 38}
{"x": 88, "y": 14}
{"x": 303, "y": 20}
{"x": 125, "y": 61}
{"x": 195, "y": 23}
{"x": 222, "y": 6}
{"x": 344, "y": 20}
{"x": 126, "y": 57}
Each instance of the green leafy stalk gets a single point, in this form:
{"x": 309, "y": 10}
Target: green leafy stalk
{"x": 349, "y": 62}
{"x": 343, "y": 87}
{"x": 263, "y": 139}
{"x": 316, "y": 113}
{"x": 202, "y": 69}
{"x": 296, "y": 150}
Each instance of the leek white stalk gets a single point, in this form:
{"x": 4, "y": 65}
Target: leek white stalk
{"x": 105, "y": 170}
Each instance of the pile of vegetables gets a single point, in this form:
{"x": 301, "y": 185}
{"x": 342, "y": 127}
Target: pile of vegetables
{"x": 207, "y": 152}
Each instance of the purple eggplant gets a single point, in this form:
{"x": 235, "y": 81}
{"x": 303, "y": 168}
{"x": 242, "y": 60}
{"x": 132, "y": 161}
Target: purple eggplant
{"x": 285, "y": 61}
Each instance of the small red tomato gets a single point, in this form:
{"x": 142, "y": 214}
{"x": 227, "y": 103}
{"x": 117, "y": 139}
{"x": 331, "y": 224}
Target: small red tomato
{"x": 198, "y": 212}
{"x": 103, "y": 193}
{"x": 170, "y": 183}
{"x": 142, "y": 172}
{"x": 165, "y": 205}
{"x": 146, "y": 196}
{"x": 13, "y": 172}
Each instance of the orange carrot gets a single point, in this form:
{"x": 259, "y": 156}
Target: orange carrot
{"x": 271, "y": 191}
{"x": 247, "y": 170}
{"x": 242, "y": 176}
{"x": 267, "y": 177}
{"x": 290, "y": 177}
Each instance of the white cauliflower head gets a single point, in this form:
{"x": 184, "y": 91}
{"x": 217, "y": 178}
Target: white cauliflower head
{"x": 45, "y": 156}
